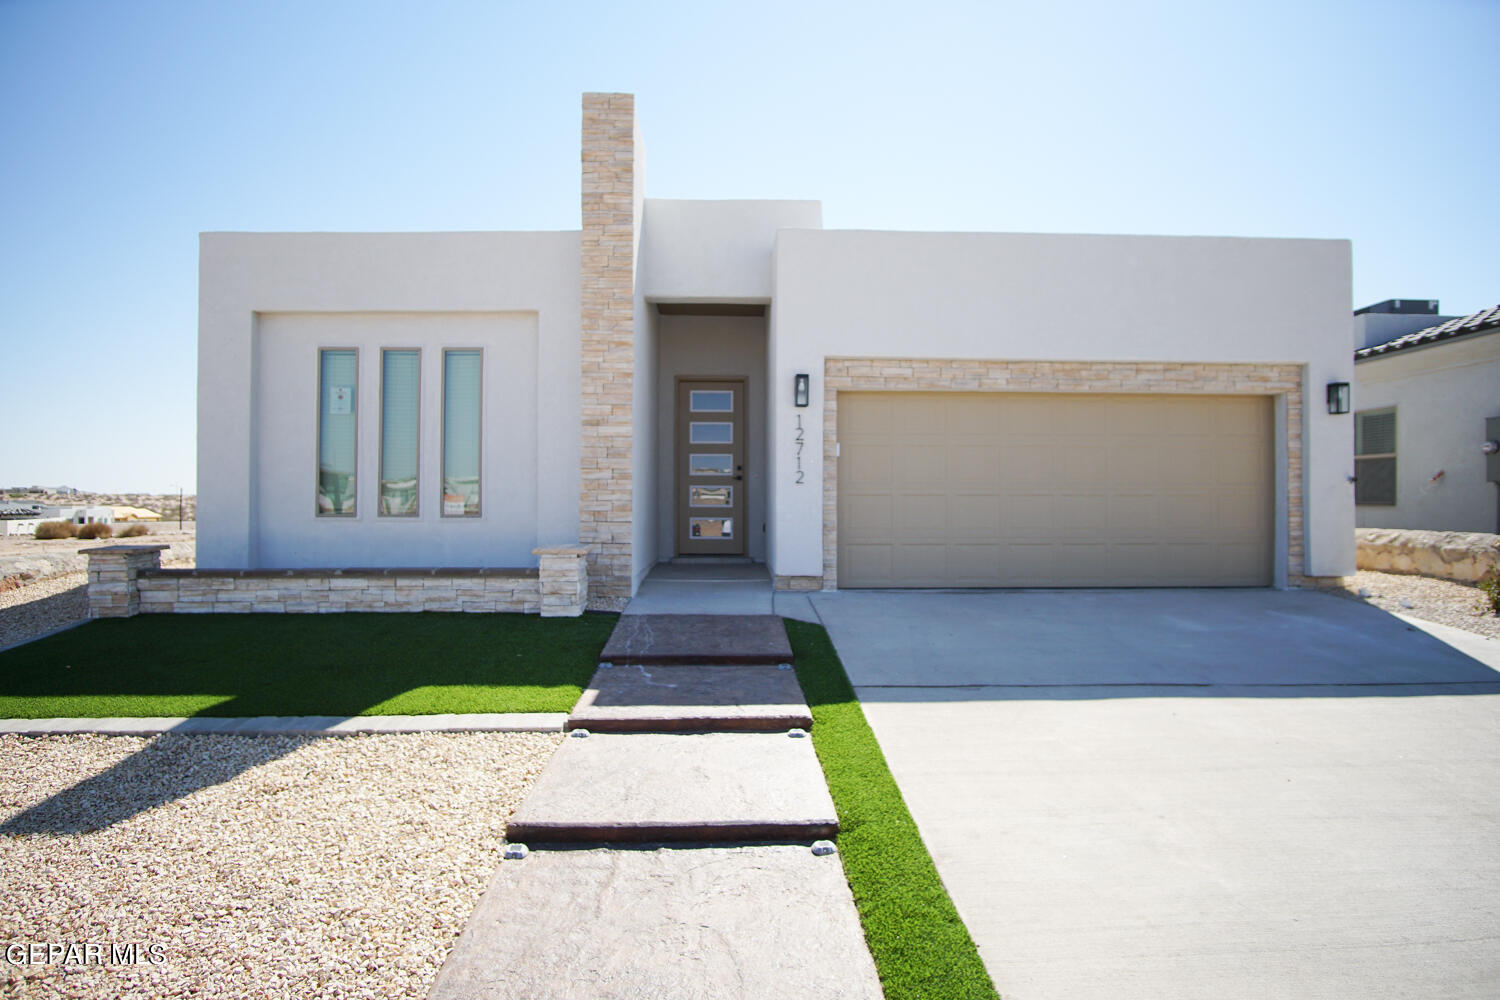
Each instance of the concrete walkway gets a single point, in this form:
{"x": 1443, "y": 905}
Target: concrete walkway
{"x": 296, "y": 725}
{"x": 673, "y": 864}
{"x": 705, "y": 588}
{"x": 723, "y": 588}
{"x": 1188, "y": 794}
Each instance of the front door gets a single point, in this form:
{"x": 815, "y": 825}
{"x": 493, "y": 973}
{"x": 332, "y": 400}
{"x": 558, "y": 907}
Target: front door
{"x": 710, "y": 474}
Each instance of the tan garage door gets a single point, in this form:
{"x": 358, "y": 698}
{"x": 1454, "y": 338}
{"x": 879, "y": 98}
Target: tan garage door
{"x": 1033, "y": 490}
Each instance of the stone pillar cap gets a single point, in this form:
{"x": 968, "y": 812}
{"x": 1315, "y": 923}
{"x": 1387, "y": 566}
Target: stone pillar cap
{"x": 561, "y": 550}
{"x": 124, "y": 550}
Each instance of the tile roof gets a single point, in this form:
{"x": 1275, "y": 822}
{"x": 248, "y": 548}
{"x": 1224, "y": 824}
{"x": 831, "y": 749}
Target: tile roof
{"x": 1485, "y": 319}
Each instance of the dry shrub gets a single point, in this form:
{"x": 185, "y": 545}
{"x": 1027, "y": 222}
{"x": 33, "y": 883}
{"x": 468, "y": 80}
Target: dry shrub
{"x": 56, "y": 529}
{"x": 97, "y": 529}
{"x": 133, "y": 531}
{"x": 1490, "y": 585}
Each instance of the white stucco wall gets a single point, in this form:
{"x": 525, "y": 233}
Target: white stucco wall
{"x": 288, "y": 532}
{"x": 712, "y": 345}
{"x": 1046, "y": 297}
{"x": 1442, "y": 395}
{"x": 715, "y": 251}
{"x": 645, "y": 498}
{"x": 252, "y": 353}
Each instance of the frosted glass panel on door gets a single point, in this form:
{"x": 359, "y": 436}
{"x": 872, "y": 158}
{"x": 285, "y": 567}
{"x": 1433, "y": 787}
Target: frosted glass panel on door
{"x": 710, "y": 465}
{"x": 700, "y": 432}
{"x": 711, "y": 496}
{"x": 711, "y": 401}
{"x": 711, "y": 527}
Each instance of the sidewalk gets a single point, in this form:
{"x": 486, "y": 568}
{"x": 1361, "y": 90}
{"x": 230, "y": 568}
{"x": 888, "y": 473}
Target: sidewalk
{"x": 294, "y": 725}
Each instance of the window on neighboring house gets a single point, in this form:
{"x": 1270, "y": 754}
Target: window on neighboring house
{"x": 462, "y": 399}
{"x": 400, "y": 397}
{"x": 337, "y": 370}
{"x": 1375, "y": 457}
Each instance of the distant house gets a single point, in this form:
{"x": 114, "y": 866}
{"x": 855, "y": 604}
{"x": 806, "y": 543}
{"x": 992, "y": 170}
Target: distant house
{"x": 20, "y": 518}
{"x": 125, "y": 513}
{"x": 1426, "y": 400}
{"x": 687, "y": 378}
{"x": 81, "y": 514}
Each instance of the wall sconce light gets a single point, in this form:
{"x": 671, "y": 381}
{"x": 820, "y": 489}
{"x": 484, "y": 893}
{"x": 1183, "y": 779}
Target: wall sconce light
{"x": 801, "y": 387}
{"x": 1338, "y": 397}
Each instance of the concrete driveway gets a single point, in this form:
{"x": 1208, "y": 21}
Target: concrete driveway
{"x": 1195, "y": 794}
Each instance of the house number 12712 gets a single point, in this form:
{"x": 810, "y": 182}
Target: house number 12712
{"x": 800, "y": 441}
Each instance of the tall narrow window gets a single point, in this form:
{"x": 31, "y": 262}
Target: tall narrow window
{"x": 337, "y": 415}
{"x": 400, "y": 394}
{"x": 1375, "y": 458}
{"x": 461, "y": 403}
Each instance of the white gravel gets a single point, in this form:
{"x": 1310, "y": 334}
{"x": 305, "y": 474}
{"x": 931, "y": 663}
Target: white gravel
{"x": 60, "y": 598}
{"x": 1446, "y": 602}
{"x": 259, "y": 867}
{"x": 41, "y": 606}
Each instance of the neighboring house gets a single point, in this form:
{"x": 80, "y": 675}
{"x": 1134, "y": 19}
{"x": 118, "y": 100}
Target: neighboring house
{"x": 729, "y": 379}
{"x": 1426, "y": 402}
{"x": 81, "y": 514}
{"x": 1385, "y": 321}
{"x": 22, "y": 518}
{"x": 126, "y": 513}
{"x": 19, "y": 518}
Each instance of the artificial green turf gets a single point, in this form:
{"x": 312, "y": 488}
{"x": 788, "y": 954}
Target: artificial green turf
{"x": 921, "y": 947}
{"x": 346, "y": 664}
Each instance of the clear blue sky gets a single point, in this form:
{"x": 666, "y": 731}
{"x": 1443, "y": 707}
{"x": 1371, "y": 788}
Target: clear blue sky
{"x": 129, "y": 127}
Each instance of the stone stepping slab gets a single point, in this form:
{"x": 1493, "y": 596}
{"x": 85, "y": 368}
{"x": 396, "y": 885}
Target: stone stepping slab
{"x": 657, "y": 788}
{"x": 714, "y": 923}
{"x": 697, "y": 639}
{"x": 636, "y": 698}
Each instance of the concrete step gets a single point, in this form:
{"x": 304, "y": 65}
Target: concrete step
{"x": 697, "y": 639}
{"x": 715, "y": 923}
{"x": 671, "y": 699}
{"x": 657, "y": 788}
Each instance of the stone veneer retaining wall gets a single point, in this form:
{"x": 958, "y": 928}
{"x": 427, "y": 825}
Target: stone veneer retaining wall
{"x": 608, "y": 339}
{"x": 1450, "y": 555}
{"x": 948, "y": 375}
{"x": 114, "y": 575}
{"x": 124, "y": 581}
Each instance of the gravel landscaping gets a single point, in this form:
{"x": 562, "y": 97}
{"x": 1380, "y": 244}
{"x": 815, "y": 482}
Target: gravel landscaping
{"x": 42, "y": 606}
{"x": 56, "y": 595}
{"x": 238, "y": 866}
{"x": 1446, "y": 602}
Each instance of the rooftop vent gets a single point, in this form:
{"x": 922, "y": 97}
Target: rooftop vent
{"x": 1404, "y": 307}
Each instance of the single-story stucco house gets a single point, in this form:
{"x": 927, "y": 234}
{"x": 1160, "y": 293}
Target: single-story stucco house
{"x": 730, "y": 379}
{"x": 1427, "y": 402}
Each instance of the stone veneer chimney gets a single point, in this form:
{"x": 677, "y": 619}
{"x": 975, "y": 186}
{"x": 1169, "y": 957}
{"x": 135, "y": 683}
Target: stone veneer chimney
{"x": 608, "y": 340}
